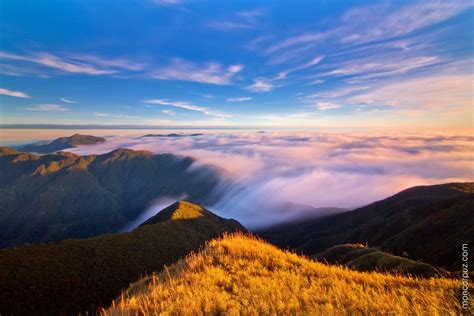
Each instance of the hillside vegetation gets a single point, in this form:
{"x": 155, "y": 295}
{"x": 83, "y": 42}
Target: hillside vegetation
{"x": 363, "y": 258}
{"x": 239, "y": 274}
{"x": 427, "y": 223}
{"x": 63, "y": 195}
{"x": 75, "y": 276}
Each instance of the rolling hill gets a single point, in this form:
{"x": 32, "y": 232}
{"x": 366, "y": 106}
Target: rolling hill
{"x": 63, "y": 195}
{"x": 241, "y": 275}
{"x": 62, "y": 143}
{"x": 362, "y": 258}
{"x": 427, "y": 223}
{"x": 73, "y": 276}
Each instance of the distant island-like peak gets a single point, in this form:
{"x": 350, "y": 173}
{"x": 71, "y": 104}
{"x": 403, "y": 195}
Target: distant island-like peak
{"x": 63, "y": 143}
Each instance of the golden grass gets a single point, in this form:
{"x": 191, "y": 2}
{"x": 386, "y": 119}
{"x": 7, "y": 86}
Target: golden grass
{"x": 240, "y": 274}
{"x": 187, "y": 210}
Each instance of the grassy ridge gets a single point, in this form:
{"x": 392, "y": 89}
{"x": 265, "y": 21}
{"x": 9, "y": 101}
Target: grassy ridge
{"x": 75, "y": 276}
{"x": 239, "y": 274}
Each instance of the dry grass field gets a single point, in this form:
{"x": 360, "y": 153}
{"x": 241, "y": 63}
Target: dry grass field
{"x": 240, "y": 274}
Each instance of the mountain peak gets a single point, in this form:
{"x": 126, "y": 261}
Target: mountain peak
{"x": 79, "y": 139}
{"x": 181, "y": 210}
{"x": 7, "y": 151}
{"x": 128, "y": 151}
{"x": 125, "y": 153}
{"x": 63, "y": 143}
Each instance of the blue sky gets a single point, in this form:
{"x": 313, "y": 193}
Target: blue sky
{"x": 239, "y": 63}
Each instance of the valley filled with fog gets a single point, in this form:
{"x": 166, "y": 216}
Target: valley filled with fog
{"x": 343, "y": 170}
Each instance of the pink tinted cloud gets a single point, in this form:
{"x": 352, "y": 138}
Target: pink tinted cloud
{"x": 318, "y": 169}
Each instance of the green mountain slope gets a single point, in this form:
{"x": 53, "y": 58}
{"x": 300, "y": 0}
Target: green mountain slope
{"x": 75, "y": 276}
{"x": 63, "y": 195}
{"x": 427, "y": 223}
{"x": 362, "y": 258}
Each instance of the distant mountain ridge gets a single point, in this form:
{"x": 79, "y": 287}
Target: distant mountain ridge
{"x": 78, "y": 276}
{"x": 63, "y": 195}
{"x": 62, "y": 143}
{"x": 427, "y": 223}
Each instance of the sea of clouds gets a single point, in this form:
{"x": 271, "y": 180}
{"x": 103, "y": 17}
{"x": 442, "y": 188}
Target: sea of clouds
{"x": 344, "y": 170}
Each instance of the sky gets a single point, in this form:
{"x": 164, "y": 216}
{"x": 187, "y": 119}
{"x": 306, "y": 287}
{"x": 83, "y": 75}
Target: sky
{"x": 308, "y": 64}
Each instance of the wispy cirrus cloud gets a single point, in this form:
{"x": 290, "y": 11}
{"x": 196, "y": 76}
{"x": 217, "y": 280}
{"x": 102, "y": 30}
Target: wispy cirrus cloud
{"x": 298, "y": 40}
{"x": 75, "y": 63}
{"x": 424, "y": 95}
{"x": 362, "y": 69}
{"x": 211, "y": 73}
{"x": 261, "y": 85}
{"x": 247, "y": 19}
{"x": 187, "y": 106}
{"x": 229, "y": 25}
{"x": 378, "y": 22}
{"x": 241, "y": 99}
{"x": 11, "y": 93}
{"x": 399, "y": 40}
{"x": 337, "y": 93}
{"x": 316, "y": 81}
{"x": 323, "y": 106}
{"x": 46, "y": 108}
{"x": 265, "y": 84}
{"x": 168, "y": 112}
{"x": 114, "y": 63}
{"x": 51, "y": 61}
{"x": 67, "y": 100}
{"x": 167, "y": 2}
{"x": 436, "y": 92}
{"x": 314, "y": 61}
{"x": 114, "y": 116}
{"x": 381, "y": 21}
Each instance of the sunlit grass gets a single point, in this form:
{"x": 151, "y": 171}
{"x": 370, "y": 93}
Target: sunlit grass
{"x": 240, "y": 274}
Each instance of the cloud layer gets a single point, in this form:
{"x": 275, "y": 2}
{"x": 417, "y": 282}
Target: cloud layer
{"x": 317, "y": 169}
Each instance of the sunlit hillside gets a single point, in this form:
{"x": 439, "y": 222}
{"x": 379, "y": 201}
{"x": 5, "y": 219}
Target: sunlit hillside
{"x": 239, "y": 274}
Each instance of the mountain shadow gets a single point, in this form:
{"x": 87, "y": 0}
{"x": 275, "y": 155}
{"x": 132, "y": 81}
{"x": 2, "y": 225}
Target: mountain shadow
{"x": 59, "y": 196}
{"x": 77, "y": 276}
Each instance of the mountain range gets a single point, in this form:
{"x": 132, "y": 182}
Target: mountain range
{"x": 63, "y": 217}
{"x": 244, "y": 274}
{"x": 427, "y": 223}
{"x": 63, "y": 195}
